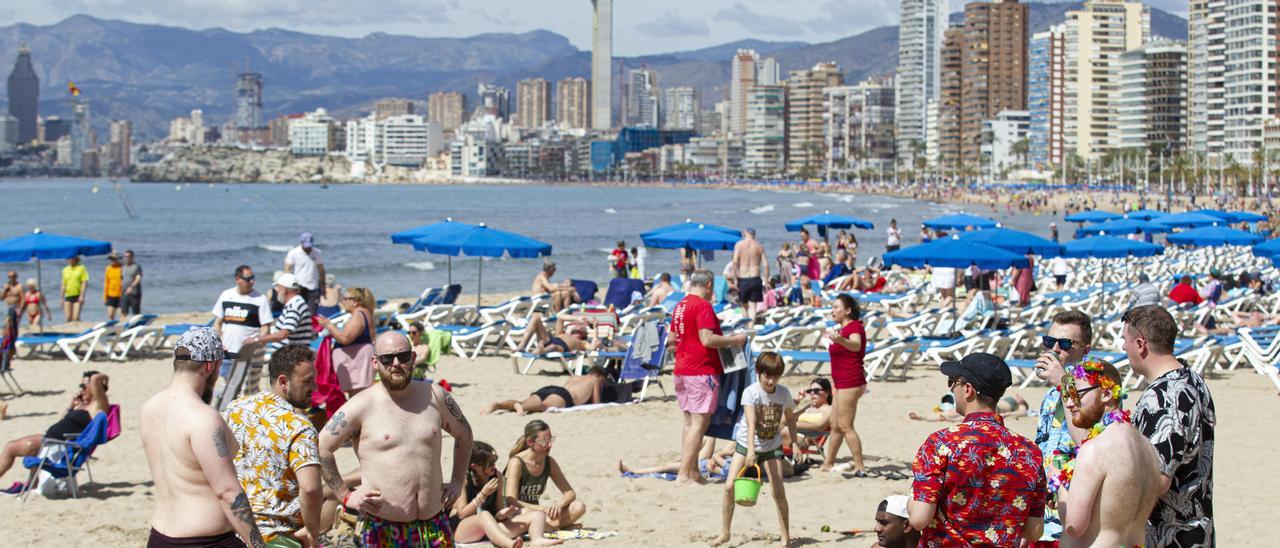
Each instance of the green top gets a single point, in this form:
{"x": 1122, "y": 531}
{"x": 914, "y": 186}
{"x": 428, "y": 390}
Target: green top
{"x": 531, "y": 486}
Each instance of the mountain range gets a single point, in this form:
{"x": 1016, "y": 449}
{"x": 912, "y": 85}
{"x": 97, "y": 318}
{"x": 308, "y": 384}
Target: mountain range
{"x": 151, "y": 73}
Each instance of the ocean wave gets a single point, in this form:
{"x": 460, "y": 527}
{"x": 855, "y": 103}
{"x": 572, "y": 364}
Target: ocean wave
{"x": 802, "y": 204}
{"x": 762, "y": 209}
{"x": 275, "y": 248}
{"x": 610, "y": 210}
{"x": 421, "y": 265}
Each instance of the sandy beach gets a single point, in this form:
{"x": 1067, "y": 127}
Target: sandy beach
{"x": 114, "y": 509}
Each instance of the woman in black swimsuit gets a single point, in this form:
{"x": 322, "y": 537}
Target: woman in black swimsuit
{"x": 88, "y": 402}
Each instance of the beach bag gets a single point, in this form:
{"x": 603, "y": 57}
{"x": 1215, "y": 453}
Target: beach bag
{"x": 327, "y": 393}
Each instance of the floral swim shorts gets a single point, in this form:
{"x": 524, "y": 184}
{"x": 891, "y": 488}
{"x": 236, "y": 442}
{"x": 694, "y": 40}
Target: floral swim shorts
{"x": 375, "y": 532}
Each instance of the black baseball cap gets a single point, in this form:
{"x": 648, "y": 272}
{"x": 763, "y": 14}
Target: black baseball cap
{"x": 987, "y": 373}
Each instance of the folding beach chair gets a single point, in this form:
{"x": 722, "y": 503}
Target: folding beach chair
{"x": 638, "y": 365}
{"x": 469, "y": 342}
{"x": 620, "y": 290}
{"x": 586, "y": 289}
{"x": 63, "y": 459}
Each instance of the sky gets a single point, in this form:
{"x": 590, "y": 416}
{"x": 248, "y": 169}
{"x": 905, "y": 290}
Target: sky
{"x": 640, "y": 26}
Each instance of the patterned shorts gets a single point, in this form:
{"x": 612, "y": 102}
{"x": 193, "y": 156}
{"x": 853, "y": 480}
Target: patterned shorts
{"x": 375, "y": 532}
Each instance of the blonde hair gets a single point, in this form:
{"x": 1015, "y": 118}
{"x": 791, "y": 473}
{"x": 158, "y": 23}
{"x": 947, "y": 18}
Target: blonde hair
{"x": 363, "y": 296}
{"x": 531, "y": 431}
{"x": 31, "y": 283}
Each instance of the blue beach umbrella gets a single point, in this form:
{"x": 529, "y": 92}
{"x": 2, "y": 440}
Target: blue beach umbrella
{"x": 1144, "y": 214}
{"x": 43, "y": 245}
{"x": 1211, "y": 236}
{"x": 687, "y": 224}
{"x": 480, "y": 240}
{"x": 1123, "y": 226}
{"x": 954, "y": 253}
{"x": 959, "y": 221}
{"x": 1247, "y": 217}
{"x": 433, "y": 230}
{"x": 826, "y": 220}
{"x": 700, "y": 237}
{"x": 1014, "y": 241}
{"x": 1189, "y": 219}
{"x": 1269, "y": 248}
{"x": 1109, "y": 247}
{"x": 1091, "y": 216}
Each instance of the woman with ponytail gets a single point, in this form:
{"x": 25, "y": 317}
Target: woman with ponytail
{"x": 527, "y": 472}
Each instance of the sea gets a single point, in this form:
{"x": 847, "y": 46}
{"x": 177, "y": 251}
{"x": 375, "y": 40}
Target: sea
{"x": 190, "y": 237}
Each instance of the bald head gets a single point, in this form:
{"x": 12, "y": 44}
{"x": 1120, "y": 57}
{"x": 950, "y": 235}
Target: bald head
{"x": 391, "y": 342}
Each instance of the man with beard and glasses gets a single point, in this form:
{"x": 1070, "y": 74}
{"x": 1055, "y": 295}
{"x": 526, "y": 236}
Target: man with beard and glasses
{"x": 1107, "y": 481}
{"x": 396, "y": 426}
{"x": 199, "y": 502}
{"x": 278, "y": 462}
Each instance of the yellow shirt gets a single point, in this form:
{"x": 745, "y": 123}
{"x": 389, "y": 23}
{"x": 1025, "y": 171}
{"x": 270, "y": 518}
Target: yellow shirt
{"x": 73, "y": 278}
{"x": 276, "y": 440}
{"x": 111, "y": 281}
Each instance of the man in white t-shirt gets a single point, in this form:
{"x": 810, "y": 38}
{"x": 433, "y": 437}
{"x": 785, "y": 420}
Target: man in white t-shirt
{"x": 893, "y": 236}
{"x": 305, "y": 264}
{"x": 240, "y": 313}
{"x": 1059, "y": 267}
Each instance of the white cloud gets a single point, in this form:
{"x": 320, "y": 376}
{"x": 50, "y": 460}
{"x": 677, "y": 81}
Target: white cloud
{"x": 669, "y": 25}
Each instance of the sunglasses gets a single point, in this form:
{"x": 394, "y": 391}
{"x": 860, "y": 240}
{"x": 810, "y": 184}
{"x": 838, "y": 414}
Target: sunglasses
{"x": 413, "y": 332}
{"x": 952, "y": 381}
{"x": 547, "y": 442}
{"x": 402, "y": 357}
{"x": 1050, "y": 342}
{"x": 813, "y": 391}
{"x": 1069, "y": 388}
{"x": 247, "y": 278}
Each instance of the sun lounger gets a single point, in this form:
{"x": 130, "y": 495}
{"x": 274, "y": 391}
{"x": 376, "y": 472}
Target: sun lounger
{"x": 569, "y": 362}
{"x": 472, "y": 341}
{"x": 620, "y": 291}
{"x": 138, "y": 333}
{"x": 73, "y": 345}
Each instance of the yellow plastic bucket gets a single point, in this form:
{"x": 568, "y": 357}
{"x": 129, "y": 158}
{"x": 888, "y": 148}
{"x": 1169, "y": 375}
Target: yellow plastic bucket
{"x": 746, "y": 490}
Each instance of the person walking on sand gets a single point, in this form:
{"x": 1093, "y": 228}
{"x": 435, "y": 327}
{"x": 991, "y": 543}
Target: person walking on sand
{"x": 305, "y": 264}
{"x": 131, "y": 274}
{"x": 189, "y": 450}
{"x": 848, "y": 346}
{"x": 752, "y": 269}
{"x": 112, "y": 286}
{"x": 75, "y": 283}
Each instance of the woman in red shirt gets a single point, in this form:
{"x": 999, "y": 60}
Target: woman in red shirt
{"x": 848, "y": 345}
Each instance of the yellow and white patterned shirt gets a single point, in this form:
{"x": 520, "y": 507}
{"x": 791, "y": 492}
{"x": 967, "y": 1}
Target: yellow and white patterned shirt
{"x": 276, "y": 440}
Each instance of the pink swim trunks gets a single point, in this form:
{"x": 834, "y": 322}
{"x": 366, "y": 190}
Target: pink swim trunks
{"x": 697, "y": 393}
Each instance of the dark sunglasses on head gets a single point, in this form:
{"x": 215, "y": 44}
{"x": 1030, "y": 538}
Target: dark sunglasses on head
{"x": 1050, "y": 342}
{"x": 402, "y": 357}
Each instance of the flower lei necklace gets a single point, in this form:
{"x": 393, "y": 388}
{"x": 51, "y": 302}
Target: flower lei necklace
{"x": 1090, "y": 371}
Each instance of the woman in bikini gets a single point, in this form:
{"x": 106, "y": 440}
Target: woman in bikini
{"x": 477, "y": 515}
{"x": 33, "y": 302}
{"x": 526, "y": 476}
{"x": 814, "y": 419}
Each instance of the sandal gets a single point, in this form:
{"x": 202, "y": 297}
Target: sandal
{"x": 857, "y": 474}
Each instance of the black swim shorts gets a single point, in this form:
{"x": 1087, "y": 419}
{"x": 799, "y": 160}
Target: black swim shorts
{"x": 750, "y": 290}
{"x": 564, "y": 394}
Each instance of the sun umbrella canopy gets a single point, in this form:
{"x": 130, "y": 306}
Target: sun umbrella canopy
{"x": 1247, "y": 217}
{"x": 959, "y": 221}
{"x": 954, "y": 253}
{"x": 1214, "y": 236}
{"x": 1123, "y": 226}
{"x": 1269, "y": 248}
{"x": 43, "y": 245}
{"x": 1109, "y": 247}
{"x": 1189, "y": 219}
{"x": 687, "y": 224}
{"x": 1014, "y": 241}
{"x": 1144, "y": 214}
{"x": 480, "y": 240}
{"x": 827, "y": 220}
{"x": 433, "y": 230}
{"x": 700, "y": 237}
{"x": 1091, "y": 216}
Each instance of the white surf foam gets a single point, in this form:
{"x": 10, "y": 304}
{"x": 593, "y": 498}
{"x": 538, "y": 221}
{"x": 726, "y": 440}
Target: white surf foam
{"x": 802, "y": 204}
{"x": 762, "y": 209}
{"x": 275, "y": 248}
{"x": 610, "y": 210}
{"x": 421, "y": 265}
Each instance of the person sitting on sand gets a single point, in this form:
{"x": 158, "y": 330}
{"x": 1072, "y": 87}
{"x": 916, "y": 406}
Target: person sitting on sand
{"x": 562, "y": 294}
{"x": 572, "y": 334}
{"x": 579, "y": 390}
{"x": 477, "y": 516}
{"x": 893, "y": 529}
{"x": 526, "y": 477}
{"x": 85, "y": 404}
{"x": 661, "y": 290}
{"x": 1008, "y": 406}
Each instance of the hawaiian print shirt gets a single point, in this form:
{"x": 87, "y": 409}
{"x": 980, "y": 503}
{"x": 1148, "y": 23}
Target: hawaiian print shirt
{"x": 276, "y": 440}
{"x": 1052, "y": 434}
{"x": 985, "y": 480}
{"x": 1176, "y": 413}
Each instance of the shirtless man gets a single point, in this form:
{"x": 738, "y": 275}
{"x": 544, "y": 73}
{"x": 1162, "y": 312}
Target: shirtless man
{"x": 661, "y": 290}
{"x": 402, "y": 499}
{"x": 199, "y": 501}
{"x": 1116, "y": 482}
{"x": 12, "y": 290}
{"x": 574, "y": 335}
{"x": 579, "y": 390}
{"x": 752, "y": 268}
{"x": 562, "y": 294}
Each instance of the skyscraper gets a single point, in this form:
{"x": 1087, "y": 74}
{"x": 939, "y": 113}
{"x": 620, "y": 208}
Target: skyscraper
{"x": 1045, "y": 64}
{"x": 248, "y": 101}
{"x": 920, "y": 34}
{"x": 448, "y": 108}
{"x": 642, "y": 99}
{"x": 743, "y": 71}
{"x": 992, "y": 76}
{"x": 24, "y": 94}
{"x": 804, "y": 115}
{"x": 573, "y": 100}
{"x": 1096, "y": 35}
{"x": 1242, "y": 38}
{"x": 602, "y": 65}
{"x": 1151, "y": 109}
{"x": 858, "y": 127}
{"x": 119, "y": 145}
{"x": 680, "y": 108}
{"x": 494, "y": 100}
{"x": 386, "y": 108}
{"x": 533, "y": 103}
{"x": 766, "y": 136}
{"x": 1206, "y": 63}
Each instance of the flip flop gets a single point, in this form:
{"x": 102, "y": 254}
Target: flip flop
{"x": 857, "y": 474}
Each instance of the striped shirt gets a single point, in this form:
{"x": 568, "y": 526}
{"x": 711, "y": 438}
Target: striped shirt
{"x": 1144, "y": 294}
{"x": 296, "y": 319}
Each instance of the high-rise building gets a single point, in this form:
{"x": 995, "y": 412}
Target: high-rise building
{"x": 406, "y": 140}
{"x": 573, "y": 103}
{"x": 448, "y": 108}
{"x": 602, "y": 64}
{"x": 1206, "y": 66}
{"x": 1249, "y": 38}
{"x": 24, "y": 95}
{"x": 316, "y": 133}
{"x": 8, "y": 132}
{"x": 858, "y": 127}
{"x": 1151, "y": 110}
{"x": 248, "y": 101}
{"x": 920, "y": 35}
{"x": 1096, "y": 35}
{"x": 641, "y": 99}
{"x": 950, "y": 98}
{"x": 494, "y": 101}
{"x": 82, "y": 135}
{"x": 804, "y": 115}
{"x": 54, "y": 128}
{"x": 766, "y": 136}
{"x": 533, "y": 103}
{"x": 392, "y": 107}
{"x": 118, "y": 148}
{"x": 1045, "y": 96}
{"x": 743, "y": 70}
{"x": 680, "y": 109}
{"x": 278, "y": 130}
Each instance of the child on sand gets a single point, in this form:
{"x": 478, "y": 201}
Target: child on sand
{"x": 766, "y": 405}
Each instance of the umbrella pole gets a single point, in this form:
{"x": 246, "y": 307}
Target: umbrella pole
{"x": 479, "y": 282}
{"x": 450, "y": 267}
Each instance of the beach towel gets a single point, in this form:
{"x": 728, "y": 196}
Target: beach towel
{"x": 327, "y": 393}
{"x": 438, "y": 341}
{"x": 583, "y": 407}
{"x": 729, "y": 406}
{"x": 589, "y": 534}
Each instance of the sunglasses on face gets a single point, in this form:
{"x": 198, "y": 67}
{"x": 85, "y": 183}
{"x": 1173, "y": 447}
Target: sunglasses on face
{"x": 814, "y": 391}
{"x": 402, "y": 357}
{"x": 247, "y": 278}
{"x": 1069, "y": 387}
{"x": 952, "y": 381}
{"x": 413, "y": 332}
{"x": 1050, "y": 342}
{"x": 547, "y": 442}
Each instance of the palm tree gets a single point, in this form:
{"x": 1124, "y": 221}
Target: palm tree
{"x": 1020, "y": 149}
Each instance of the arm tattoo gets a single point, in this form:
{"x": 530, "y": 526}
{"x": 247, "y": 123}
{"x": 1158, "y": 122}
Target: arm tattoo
{"x": 241, "y": 510}
{"x": 456, "y": 411}
{"x": 337, "y": 423}
{"x": 220, "y": 442}
{"x": 332, "y": 477}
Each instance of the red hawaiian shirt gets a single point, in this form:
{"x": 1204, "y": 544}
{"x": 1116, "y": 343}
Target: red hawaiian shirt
{"x": 985, "y": 480}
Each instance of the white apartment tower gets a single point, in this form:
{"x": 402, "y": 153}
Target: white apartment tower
{"x": 680, "y": 109}
{"x": 1096, "y": 35}
{"x": 1249, "y": 78}
{"x": 602, "y": 65}
{"x": 920, "y": 35}
{"x": 743, "y": 70}
{"x": 1205, "y": 65}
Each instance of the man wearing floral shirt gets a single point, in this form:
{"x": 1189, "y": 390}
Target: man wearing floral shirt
{"x": 1066, "y": 343}
{"x": 977, "y": 483}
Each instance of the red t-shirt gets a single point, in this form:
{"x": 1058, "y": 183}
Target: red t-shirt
{"x": 620, "y": 259}
{"x": 1184, "y": 293}
{"x": 846, "y": 365}
{"x": 692, "y": 314}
